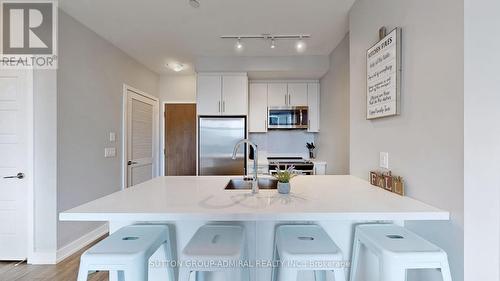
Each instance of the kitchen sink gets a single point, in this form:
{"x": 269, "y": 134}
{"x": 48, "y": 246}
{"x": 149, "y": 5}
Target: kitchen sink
{"x": 264, "y": 183}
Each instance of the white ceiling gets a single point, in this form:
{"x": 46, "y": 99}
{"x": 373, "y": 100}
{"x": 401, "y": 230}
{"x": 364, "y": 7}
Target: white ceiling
{"x": 156, "y": 32}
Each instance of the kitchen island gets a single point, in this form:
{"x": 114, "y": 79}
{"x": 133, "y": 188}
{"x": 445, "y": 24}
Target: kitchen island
{"x": 336, "y": 203}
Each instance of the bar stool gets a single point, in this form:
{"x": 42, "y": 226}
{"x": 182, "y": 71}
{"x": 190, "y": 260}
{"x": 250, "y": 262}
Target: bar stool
{"x": 127, "y": 251}
{"x": 306, "y": 247}
{"x": 215, "y": 248}
{"x": 397, "y": 249}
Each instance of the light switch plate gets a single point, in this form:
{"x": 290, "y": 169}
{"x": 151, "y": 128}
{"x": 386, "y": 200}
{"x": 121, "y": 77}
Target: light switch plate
{"x": 384, "y": 160}
{"x": 109, "y": 152}
{"x": 112, "y": 136}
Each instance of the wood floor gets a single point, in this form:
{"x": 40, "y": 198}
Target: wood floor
{"x": 67, "y": 270}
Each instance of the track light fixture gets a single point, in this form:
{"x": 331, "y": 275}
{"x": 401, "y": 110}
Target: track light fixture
{"x": 300, "y": 44}
{"x": 239, "y": 46}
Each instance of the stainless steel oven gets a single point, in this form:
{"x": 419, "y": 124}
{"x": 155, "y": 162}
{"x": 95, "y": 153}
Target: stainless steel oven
{"x": 290, "y": 117}
{"x": 300, "y": 165}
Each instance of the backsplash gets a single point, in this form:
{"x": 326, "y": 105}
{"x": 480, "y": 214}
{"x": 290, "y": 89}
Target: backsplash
{"x": 283, "y": 143}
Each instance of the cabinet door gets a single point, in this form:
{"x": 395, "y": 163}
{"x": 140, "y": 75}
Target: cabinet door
{"x": 314, "y": 106}
{"x": 234, "y": 95}
{"x": 277, "y": 94}
{"x": 257, "y": 115}
{"x": 297, "y": 94}
{"x": 208, "y": 94}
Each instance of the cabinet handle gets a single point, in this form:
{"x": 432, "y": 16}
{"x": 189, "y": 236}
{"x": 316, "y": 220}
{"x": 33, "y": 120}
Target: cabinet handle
{"x": 289, "y": 99}
{"x": 286, "y": 102}
{"x": 223, "y": 106}
{"x": 218, "y": 106}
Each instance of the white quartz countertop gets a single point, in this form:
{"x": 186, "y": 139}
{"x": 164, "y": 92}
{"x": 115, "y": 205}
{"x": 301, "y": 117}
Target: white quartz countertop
{"x": 204, "y": 198}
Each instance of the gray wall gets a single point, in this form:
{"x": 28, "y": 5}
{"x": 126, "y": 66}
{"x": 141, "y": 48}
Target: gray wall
{"x": 482, "y": 140}
{"x": 333, "y": 138}
{"x": 90, "y": 94}
{"x": 45, "y": 161}
{"x": 425, "y": 143}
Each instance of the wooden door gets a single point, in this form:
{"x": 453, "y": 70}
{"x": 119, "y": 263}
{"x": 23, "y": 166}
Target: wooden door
{"x": 180, "y": 139}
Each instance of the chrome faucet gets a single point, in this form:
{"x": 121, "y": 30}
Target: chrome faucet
{"x": 255, "y": 180}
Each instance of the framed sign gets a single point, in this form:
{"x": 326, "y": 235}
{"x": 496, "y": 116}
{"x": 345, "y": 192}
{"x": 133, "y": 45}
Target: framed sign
{"x": 383, "y": 77}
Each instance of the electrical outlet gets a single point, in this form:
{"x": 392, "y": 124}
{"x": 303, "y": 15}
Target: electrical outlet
{"x": 109, "y": 152}
{"x": 112, "y": 136}
{"x": 384, "y": 160}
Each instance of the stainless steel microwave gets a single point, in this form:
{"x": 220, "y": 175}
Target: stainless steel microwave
{"x": 289, "y": 117}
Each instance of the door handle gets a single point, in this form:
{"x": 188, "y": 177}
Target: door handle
{"x": 131, "y": 162}
{"x": 18, "y": 176}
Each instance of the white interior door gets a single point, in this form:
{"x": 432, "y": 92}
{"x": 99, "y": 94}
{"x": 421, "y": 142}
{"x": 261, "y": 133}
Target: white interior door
{"x": 142, "y": 137}
{"x": 15, "y": 152}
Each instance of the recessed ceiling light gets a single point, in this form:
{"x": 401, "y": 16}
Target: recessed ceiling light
{"x": 177, "y": 67}
{"x": 300, "y": 46}
{"x": 194, "y": 3}
{"x": 239, "y": 46}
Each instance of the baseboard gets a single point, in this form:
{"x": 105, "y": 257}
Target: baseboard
{"x": 81, "y": 242}
{"x": 42, "y": 258}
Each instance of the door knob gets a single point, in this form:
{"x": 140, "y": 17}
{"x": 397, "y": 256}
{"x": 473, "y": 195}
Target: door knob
{"x": 131, "y": 162}
{"x": 18, "y": 176}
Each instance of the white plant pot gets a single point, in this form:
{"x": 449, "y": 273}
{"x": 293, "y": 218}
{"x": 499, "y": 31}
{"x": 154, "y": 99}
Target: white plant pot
{"x": 284, "y": 187}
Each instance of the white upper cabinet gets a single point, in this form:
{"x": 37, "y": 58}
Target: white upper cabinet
{"x": 313, "y": 101}
{"x": 297, "y": 94}
{"x": 258, "y": 108}
{"x": 220, "y": 94}
{"x": 234, "y": 95}
{"x": 208, "y": 94}
{"x": 277, "y": 94}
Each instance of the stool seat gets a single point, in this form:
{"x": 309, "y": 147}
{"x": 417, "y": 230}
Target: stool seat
{"x": 306, "y": 247}
{"x": 397, "y": 240}
{"x": 305, "y": 242}
{"x": 398, "y": 249}
{"x": 131, "y": 242}
{"x": 216, "y": 242}
{"x": 215, "y": 248}
{"x": 127, "y": 251}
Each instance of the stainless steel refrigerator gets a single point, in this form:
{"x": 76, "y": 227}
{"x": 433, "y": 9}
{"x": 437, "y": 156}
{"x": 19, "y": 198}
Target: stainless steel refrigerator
{"x": 217, "y": 137}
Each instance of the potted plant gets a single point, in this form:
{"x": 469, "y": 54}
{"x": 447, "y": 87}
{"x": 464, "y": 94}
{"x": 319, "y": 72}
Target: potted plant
{"x": 284, "y": 177}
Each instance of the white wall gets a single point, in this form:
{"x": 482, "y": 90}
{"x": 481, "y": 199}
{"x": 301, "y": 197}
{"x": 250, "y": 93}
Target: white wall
{"x": 177, "y": 88}
{"x": 333, "y": 138}
{"x": 90, "y": 82}
{"x": 425, "y": 143}
{"x": 482, "y": 140}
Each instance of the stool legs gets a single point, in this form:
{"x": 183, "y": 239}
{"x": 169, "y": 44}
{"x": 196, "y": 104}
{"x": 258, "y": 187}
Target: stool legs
{"x": 445, "y": 271}
{"x": 287, "y": 274}
{"x": 83, "y": 271}
{"x": 339, "y": 274}
{"x": 137, "y": 272}
{"x": 354, "y": 260}
{"x": 390, "y": 272}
